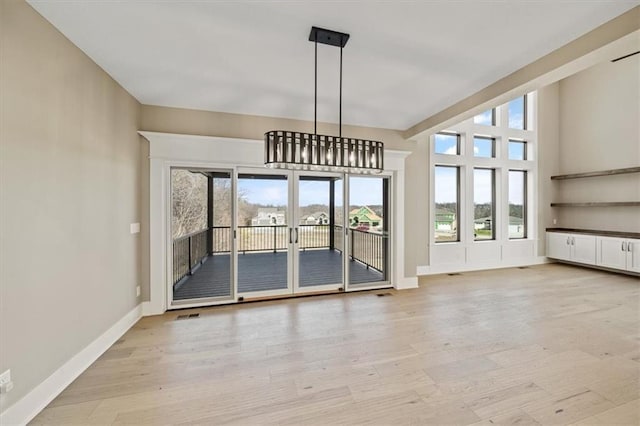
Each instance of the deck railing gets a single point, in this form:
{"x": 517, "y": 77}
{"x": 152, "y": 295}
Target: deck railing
{"x": 188, "y": 251}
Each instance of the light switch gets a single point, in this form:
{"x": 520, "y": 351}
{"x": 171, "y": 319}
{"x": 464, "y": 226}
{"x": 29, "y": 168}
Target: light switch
{"x": 134, "y": 228}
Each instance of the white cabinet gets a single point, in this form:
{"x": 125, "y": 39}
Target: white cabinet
{"x": 572, "y": 247}
{"x": 618, "y": 253}
{"x": 558, "y": 246}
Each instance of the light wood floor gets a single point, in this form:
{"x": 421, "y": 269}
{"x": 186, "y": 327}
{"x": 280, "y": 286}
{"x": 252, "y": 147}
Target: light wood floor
{"x": 551, "y": 344}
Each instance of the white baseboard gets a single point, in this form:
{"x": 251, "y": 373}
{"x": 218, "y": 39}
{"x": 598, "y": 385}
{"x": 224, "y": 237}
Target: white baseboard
{"x": 35, "y": 401}
{"x": 406, "y": 283}
{"x": 452, "y": 268}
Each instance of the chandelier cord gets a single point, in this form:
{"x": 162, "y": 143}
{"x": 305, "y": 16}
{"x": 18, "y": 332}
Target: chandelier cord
{"x": 340, "y": 126}
{"x": 315, "y": 93}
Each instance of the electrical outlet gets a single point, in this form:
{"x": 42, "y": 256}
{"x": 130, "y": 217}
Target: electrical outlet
{"x": 134, "y": 228}
{"x": 5, "y": 382}
{"x": 138, "y": 291}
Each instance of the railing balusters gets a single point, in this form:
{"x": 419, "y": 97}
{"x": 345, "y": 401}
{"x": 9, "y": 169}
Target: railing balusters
{"x": 365, "y": 247}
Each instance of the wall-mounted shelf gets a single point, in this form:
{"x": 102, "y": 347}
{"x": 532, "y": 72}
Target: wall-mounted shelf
{"x": 599, "y": 204}
{"x": 599, "y": 173}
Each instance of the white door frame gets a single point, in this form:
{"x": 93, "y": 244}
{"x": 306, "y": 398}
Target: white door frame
{"x": 166, "y": 150}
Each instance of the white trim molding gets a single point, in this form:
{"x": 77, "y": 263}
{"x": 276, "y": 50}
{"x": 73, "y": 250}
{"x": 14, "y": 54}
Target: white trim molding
{"x": 406, "y": 283}
{"x": 453, "y": 268}
{"x": 23, "y": 411}
{"x": 168, "y": 150}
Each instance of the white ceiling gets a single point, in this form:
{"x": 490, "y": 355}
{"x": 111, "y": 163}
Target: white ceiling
{"x": 404, "y": 62}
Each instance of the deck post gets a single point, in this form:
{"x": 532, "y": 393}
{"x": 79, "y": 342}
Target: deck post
{"x": 190, "y": 259}
{"x": 332, "y": 212}
{"x": 210, "y": 213}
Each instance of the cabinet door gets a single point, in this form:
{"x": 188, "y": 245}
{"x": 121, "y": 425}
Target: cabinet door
{"x": 633, "y": 255}
{"x": 583, "y": 249}
{"x": 611, "y": 252}
{"x": 558, "y": 245}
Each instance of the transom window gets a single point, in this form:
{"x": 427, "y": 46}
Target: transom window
{"x": 447, "y": 143}
{"x": 487, "y": 118}
{"x": 484, "y": 146}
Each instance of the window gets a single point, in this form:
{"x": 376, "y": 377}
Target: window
{"x": 517, "y": 112}
{"x": 483, "y": 204}
{"x": 447, "y": 143}
{"x": 487, "y": 118}
{"x": 517, "y": 149}
{"x": 517, "y": 204}
{"x": 484, "y": 147}
{"x": 446, "y": 203}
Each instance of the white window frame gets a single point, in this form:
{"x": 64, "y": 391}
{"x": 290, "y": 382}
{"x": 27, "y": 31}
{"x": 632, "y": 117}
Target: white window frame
{"x": 468, "y": 253}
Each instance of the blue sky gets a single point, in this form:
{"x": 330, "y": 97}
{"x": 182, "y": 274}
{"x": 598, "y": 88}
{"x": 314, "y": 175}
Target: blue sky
{"x": 364, "y": 191}
{"x": 515, "y": 110}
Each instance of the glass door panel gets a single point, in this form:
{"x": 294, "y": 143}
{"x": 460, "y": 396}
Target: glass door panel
{"x": 201, "y": 224}
{"x": 263, "y": 233}
{"x": 368, "y": 233}
{"x": 318, "y": 215}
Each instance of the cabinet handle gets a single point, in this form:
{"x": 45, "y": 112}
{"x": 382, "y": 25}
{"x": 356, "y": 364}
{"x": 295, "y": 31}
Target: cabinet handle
{"x": 568, "y": 240}
{"x": 629, "y": 245}
{"x": 573, "y": 241}
{"x": 622, "y": 248}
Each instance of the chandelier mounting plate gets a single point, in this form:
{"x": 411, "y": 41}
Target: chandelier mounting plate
{"x": 330, "y": 37}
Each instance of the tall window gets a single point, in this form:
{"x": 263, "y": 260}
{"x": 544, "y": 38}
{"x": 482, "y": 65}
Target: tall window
{"x": 517, "y": 113}
{"x": 517, "y": 204}
{"x": 446, "y": 197}
{"x": 483, "y": 204}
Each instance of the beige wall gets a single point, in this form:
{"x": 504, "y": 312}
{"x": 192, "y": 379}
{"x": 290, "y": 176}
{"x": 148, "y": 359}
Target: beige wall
{"x": 548, "y": 158}
{"x": 600, "y": 129}
{"x": 204, "y": 123}
{"x": 70, "y": 171}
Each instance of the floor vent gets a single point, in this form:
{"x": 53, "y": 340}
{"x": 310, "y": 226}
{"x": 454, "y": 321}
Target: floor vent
{"x": 384, "y": 294}
{"x": 187, "y": 316}
{"x": 523, "y": 267}
{"x": 454, "y": 274}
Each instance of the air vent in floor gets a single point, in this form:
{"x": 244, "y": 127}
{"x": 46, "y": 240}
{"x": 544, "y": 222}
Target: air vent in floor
{"x": 187, "y": 316}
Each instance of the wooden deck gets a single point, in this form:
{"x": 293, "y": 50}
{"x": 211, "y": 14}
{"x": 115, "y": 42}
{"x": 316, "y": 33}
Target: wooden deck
{"x": 268, "y": 271}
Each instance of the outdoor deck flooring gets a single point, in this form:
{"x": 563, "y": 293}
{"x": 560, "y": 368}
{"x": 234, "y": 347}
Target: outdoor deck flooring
{"x": 268, "y": 271}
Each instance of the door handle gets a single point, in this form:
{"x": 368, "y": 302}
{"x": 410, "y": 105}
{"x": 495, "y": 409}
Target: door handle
{"x": 290, "y": 237}
{"x": 296, "y": 235}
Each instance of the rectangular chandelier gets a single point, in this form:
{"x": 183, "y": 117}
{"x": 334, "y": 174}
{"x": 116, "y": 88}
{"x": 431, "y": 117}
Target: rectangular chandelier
{"x": 307, "y": 151}
{"x": 285, "y": 149}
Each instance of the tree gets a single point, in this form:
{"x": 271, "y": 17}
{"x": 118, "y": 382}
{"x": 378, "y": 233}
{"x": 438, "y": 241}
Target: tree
{"x": 189, "y": 202}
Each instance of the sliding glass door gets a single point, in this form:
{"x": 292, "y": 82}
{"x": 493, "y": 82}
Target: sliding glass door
{"x": 318, "y": 246}
{"x": 201, "y": 230}
{"x": 264, "y": 233}
{"x": 368, "y": 231}
{"x": 269, "y": 233}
